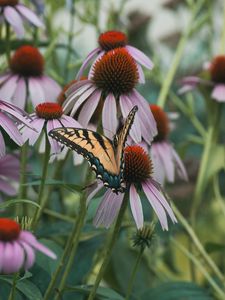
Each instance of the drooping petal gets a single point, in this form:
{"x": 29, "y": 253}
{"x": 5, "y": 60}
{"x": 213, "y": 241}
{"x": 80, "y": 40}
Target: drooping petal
{"x": 87, "y": 60}
{"x": 126, "y": 106}
{"x": 6, "y": 188}
{"x": 36, "y": 91}
{"x": 13, "y": 257}
{"x": 30, "y": 255}
{"x": 91, "y": 72}
{"x": 51, "y": 88}
{"x": 158, "y": 167}
{"x": 141, "y": 75}
{"x": 189, "y": 83}
{"x": 19, "y": 97}
{"x": 146, "y": 118}
{"x": 77, "y": 86}
{"x": 89, "y": 107}
{"x": 108, "y": 209}
{"x": 156, "y": 205}
{"x": 30, "y": 239}
{"x": 8, "y": 88}
{"x": 93, "y": 189}
{"x": 29, "y": 15}
{"x": 140, "y": 57}
{"x": 109, "y": 116}
{"x": 2, "y": 146}
{"x": 2, "y": 250}
{"x": 218, "y": 92}
{"x": 179, "y": 165}
{"x": 11, "y": 129}
{"x": 31, "y": 135}
{"x": 55, "y": 146}
{"x": 14, "y": 19}
{"x": 136, "y": 207}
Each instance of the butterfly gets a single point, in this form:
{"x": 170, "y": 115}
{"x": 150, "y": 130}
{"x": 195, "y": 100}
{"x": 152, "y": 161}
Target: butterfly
{"x": 106, "y": 157}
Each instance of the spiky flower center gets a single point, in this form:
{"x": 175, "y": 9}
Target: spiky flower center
{"x": 116, "y": 72}
{"x": 138, "y": 165}
{"x": 27, "y": 61}
{"x": 217, "y": 69}
{"x": 9, "y": 229}
{"x": 8, "y": 2}
{"x": 49, "y": 111}
{"x": 162, "y": 123}
{"x": 112, "y": 39}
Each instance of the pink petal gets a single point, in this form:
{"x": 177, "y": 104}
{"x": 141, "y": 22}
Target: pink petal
{"x": 19, "y": 97}
{"x": 158, "y": 208}
{"x": 36, "y": 91}
{"x": 4, "y": 77}
{"x": 76, "y": 86}
{"x": 136, "y": 207}
{"x": 8, "y": 125}
{"x": 6, "y": 188}
{"x": 13, "y": 258}
{"x": 141, "y": 74}
{"x": 218, "y": 92}
{"x": 14, "y": 19}
{"x": 146, "y": 118}
{"x": 29, "y": 15}
{"x": 2, "y": 146}
{"x": 90, "y": 74}
{"x": 158, "y": 166}
{"x": 140, "y": 57}
{"x": 126, "y": 106}
{"x": 55, "y": 146}
{"x": 108, "y": 209}
{"x": 179, "y": 165}
{"x": 51, "y": 88}
{"x": 88, "y": 108}
{"x": 87, "y": 60}
{"x": 29, "y": 238}
{"x": 189, "y": 83}
{"x": 31, "y": 135}
{"x": 30, "y": 255}
{"x": 2, "y": 249}
{"x": 82, "y": 99}
{"x": 8, "y": 88}
{"x": 109, "y": 116}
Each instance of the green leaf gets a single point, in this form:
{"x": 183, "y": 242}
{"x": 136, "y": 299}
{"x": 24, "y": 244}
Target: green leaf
{"x": 8, "y": 203}
{"x": 102, "y": 292}
{"x": 176, "y": 291}
{"x": 26, "y": 287}
{"x": 214, "y": 247}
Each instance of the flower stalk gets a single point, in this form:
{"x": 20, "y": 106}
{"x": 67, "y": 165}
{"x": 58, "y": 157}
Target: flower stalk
{"x": 109, "y": 247}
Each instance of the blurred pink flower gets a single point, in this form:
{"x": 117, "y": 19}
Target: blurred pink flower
{"x": 9, "y": 174}
{"x": 138, "y": 176}
{"x": 18, "y": 247}
{"x": 47, "y": 115}
{"x": 14, "y": 13}
{"x": 26, "y": 77}
{"x": 165, "y": 159}
{"x": 216, "y": 81}
{"x": 9, "y": 116}
{"x": 111, "y": 40}
{"x": 111, "y": 86}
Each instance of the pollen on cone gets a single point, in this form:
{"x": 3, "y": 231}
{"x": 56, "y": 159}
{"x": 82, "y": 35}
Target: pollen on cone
{"x": 138, "y": 165}
{"x": 162, "y": 122}
{"x": 27, "y": 61}
{"x": 116, "y": 72}
{"x": 49, "y": 110}
{"x": 217, "y": 69}
{"x": 9, "y": 229}
{"x": 112, "y": 39}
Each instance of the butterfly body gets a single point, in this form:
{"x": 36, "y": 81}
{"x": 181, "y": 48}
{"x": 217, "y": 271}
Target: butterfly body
{"x": 104, "y": 156}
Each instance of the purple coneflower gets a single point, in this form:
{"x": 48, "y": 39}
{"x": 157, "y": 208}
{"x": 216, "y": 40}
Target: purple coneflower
{"x": 26, "y": 77}
{"x": 50, "y": 116}
{"x": 138, "y": 176}
{"x": 165, "y": 159}
{"x": 216, "y": 82}
{"x": 9, "y": 174}
{"x": 14, "y": 13}
{"x": 112, "y": 84}
{"x": 18, "y": 247}
{"x": 115, "y": 39}
{"x": 9, "y": 116}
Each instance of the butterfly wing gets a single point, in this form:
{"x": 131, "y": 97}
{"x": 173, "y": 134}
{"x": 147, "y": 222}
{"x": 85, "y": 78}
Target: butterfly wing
{"x": 96, "y": 148}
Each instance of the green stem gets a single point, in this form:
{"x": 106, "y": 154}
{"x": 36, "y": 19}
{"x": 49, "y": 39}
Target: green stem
{"x": 109, "y": 247}
{"x": 75, "y": 242}
{"x": 197, "y": 243}
{"x": 133, "y": 274}
{"x": 219, "y": 198}
{"x": 7, "y": 42}
{"x": 222, "y": 40}
{"x": 40, "y": 200}
{"x": 201, "y": 268}
{"x": 23, "y": 177}
{"x": 13, "y": 289}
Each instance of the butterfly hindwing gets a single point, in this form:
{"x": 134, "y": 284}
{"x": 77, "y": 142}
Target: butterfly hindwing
{"x": 105, "y": 157}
